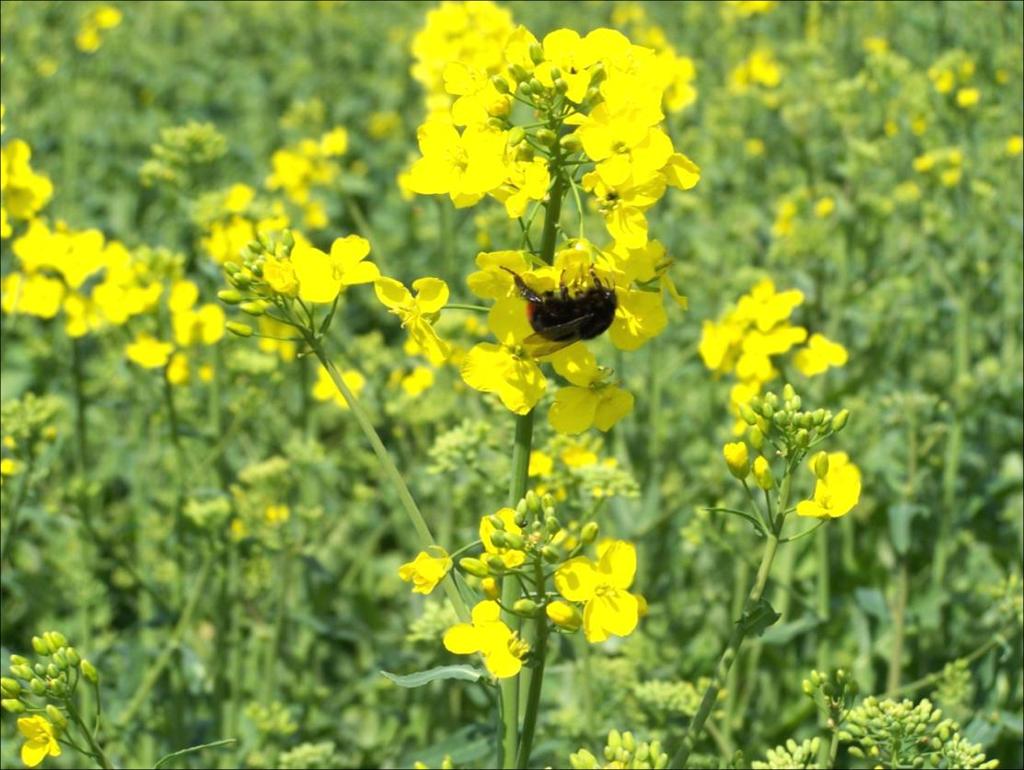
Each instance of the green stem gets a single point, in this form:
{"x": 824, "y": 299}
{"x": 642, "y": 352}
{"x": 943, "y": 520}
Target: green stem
{"x": 935, "y": 676}
{"x": 539, "y": 644}
{"x": 97, "y": 751}
{"x": 389, "y": 468}
{"x": 78, "y": 376}
{"x": 510, "y": 591}
{"x": 156, "y": 668}
{"x": 725, "y": 662}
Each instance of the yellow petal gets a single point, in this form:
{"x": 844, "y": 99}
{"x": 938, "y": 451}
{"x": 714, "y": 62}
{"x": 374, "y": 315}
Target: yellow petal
{"x": 573, "y": 410}
{"x": 431, "y": 294}
{"x": 576, "y": 580}
{"x": 618, "y": 563}
{"x": 500, "y": 661}
{"x": 616, "y": 612}
{"x": 392, "y": 293}
{"x": 317, "y": 282}
{"x": 615, "y": 404}
{"x": 462, "y": 639}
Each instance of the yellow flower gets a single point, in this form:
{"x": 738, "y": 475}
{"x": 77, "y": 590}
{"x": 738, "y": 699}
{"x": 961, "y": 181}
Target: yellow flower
{"x": 967, "y": 97}
{"x": 510, "y": 556}
{"x": 417, "y": 313}
{"x": 148, "y": 352}
{"x": 487, "y": 634}
{"x": 737, "y": 458}
{"x": 276, "y": 514}
{"x": 541, "y": 463}
{"x": 623, "y": 146}
{"x": 465, "y": 166}
{"x": 623, "y": 207}
{"x": 763, "y": 473}
{"x": 515, "y": 378}
{"x": 322, "y": 277}
{"x": 819, "y": 355}
{"x": 205, "y": 325}
{"x": 639, "y": 317}
{"x": 417, "y": 381}
{"x": 334, "y": 142}
{"x": 177, "y": 369}
{"x": 602, "y": 585}
{"x": 824, "y": 207}
{"x": 280, "y": 276}
{"x": 526, "y": 181}
{"x": 34, "y": 295}
{"x": 325, "y": 390}
{"x": 40, "y": 740}
{"x": 227, "y": 239}
{"x": 426, "y": 570}
{"x": 238, "y": 198}
{"x": 1015, "y": 145}
{"x": 589, "y": 400}
{"x": 24, "y": 191}
{"x": 837, "y": 493}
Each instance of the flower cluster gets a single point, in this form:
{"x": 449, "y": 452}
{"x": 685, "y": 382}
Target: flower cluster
{"x": 310, "y": 163}
{"x": 778, "y": 428}
{"x": 58, "y": 269}
{"x": 525, "y": 542}
{"x": 47, "y": 691}
{"x": 591, "y": 123}
{"x": 754, "y": 331}
{"x": 24, "y": 191}
{"x": 622, "y": 750}
{"x": 96, "y": 22}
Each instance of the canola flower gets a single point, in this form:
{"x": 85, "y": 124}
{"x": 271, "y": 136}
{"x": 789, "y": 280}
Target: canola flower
{"x": 40, "y": 740}
{"x": 426, "y": 570}
{"x": 488, "y": 635}
{"x": 602, "y": 586}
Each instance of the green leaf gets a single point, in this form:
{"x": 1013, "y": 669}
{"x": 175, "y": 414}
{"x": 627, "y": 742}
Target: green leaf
{"x": 191, "y": 749}
{"x": 420, "y": 678}
{"x": 901, "y": 516}
{"x": 758, "y": 618}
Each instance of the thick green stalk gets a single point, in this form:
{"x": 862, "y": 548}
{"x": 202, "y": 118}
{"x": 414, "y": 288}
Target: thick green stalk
{"x": 725, "y": 662}
{"x": 535, "y": 677}
{"x": 510, "y": 592}
{"x": 97, "y": 750}
{"x": 389, "y": 468}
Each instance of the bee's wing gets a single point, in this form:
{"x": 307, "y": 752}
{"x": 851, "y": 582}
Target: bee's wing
{"x": 554, "y": 338}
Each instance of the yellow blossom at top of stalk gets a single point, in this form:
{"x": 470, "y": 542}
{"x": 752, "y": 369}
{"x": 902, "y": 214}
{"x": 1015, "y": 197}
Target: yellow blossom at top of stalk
{"x": 487, "y": 634}
{"x": 40, "y": 740}
{"x": 602, "y": 586}
{"x": 837, "y": 493}
{"x": 24, "y": 190}
{"x": 321, "y": 277}
{"x": 426, "y": 570}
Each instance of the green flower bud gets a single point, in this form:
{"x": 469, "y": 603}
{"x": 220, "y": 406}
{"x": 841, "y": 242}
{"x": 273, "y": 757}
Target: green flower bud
{"x": 516, "y": 135}
{"x": 763, "y": 473}
{"x": 474, "y": 567}
{"x": 803, "y": 438}
{"x": 518, "y": 73}
{"x": 514, "y": 540}
{"x": 40, "y": 669}
{"x": 89, "y": 671}
{"x": 496, "y": 123}
{"x": 546, "y": 136}
{"x": 526, "y": 607}
{"x": 73, "y": 657}
{"x": 229, "y": 296}
{"x": 756, "y": 438}
{"x": 498, "y": 538}
{"x": 550, "y": 554}
{"x": 747, "y": 413}
{"x": 628, "y": 742}
{"x": 614, "y": 740}
{"x": 839, "y": 421}
{"x": 38, "y": 687}
{"x": 524, "y": 153}
{"x": 494, "y": 562}
{"x": 561, "y": 86}
{"x": 13, "y": 705}
{"x": 56, "y": 716}
{"x": 593, "y": 96}
{"x": 496, "y": 521}
{"x": 21, "y": 671}
{"x": 60, "y": 659}
{"x": 500, "y": 84}
{"x": 40, "y": 645}
{"x": 788, "y": 393}
{"x": 597, "y": 74}
{"x": 855, "y": 752}
{"x": 240, "y": 329}
{"x": 55, "y": 639}
{"x": 589, "y": 532}
{"x": 10, "y": 688}
{"x": 256, "y": 307}
{"x": 820, "y": 464}
{"x": 521, "y": 518}
{"x": 536, "y": 53}
{"x": 231, "y": 267}
{"x": 571, "y": 143}
{"x": 536, "y": 87}
{"x": 52, "y": 671}
{"x": 552, "y": 525}
{"x": 524, "y": 90}
{"x": 58, "y": 687}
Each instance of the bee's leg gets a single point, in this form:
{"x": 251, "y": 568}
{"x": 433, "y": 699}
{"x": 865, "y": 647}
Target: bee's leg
{"x": 564, "y": 290}
{"x": 595, "y": 279}
{"x": 524, "y": 291}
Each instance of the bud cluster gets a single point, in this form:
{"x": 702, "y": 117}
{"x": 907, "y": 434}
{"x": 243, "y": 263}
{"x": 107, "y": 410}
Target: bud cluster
{"x": 622, "y": 750}
{"x": 904, "y": 734}
{"x": 781, "y": 424}
{"x": 250, "y": 289}
{"x": 834, "y": 693}
{"x": 790, "y": 755}
{"x": 54, "y": 676}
